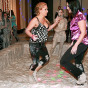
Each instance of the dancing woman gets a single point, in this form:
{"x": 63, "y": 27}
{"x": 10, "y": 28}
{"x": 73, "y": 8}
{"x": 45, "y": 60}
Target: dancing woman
{"x": 37, "y": 30}
{"x": 79, "y": 42}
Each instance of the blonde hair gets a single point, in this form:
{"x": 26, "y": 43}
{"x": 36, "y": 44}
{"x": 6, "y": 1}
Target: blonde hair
{"x": 38, "y": 7}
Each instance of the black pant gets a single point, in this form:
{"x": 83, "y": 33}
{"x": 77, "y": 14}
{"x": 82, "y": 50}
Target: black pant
{"x": 37, "y": 50}
{"x": 78, "y": 61}
{"x": 68, "y": 57}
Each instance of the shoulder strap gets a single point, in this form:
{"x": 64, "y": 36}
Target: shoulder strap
{"x": 38, "y": 20}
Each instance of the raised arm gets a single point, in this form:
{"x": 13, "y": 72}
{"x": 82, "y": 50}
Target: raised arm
{"x": 54, "y": 24}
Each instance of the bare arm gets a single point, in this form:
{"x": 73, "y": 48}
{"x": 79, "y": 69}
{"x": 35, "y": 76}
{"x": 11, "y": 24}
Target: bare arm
{"x": 30, "y": 27}
{"x": 54, "y": 24}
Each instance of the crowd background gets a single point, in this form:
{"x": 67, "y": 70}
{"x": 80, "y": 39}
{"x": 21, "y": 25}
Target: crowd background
{"x": 69, "y": 18}
{"x": 8, "y": 29}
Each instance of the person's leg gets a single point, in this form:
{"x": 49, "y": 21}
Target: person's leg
{"x": 4, "y": 41}
{"x": 78, "y": 61}
{"x": 45, "y": 57}
{"x": 60, "y": 49}
{"x": 78, "y": 64}
{"x": 67, "y": 57}
{"x": 4, "y": 37}
{"x": 34, "y": 49}
{"x": 53, "y": 47}
{"x": 7, "y": 39}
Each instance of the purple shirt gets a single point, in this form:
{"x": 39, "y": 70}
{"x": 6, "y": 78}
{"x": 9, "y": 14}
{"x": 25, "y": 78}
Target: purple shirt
{"x": 75, "y": 31}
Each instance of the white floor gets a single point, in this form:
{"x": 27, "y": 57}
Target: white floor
{"x": 50, "y": 76}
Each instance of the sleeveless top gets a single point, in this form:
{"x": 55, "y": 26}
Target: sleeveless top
{"x": 42, "y": 33}
{"x": 75, "y": 31}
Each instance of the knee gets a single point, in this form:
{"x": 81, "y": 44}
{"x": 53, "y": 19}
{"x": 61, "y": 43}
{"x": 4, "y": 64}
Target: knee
{"x": 33, "y": 66}
{"x": 44, "y": 60}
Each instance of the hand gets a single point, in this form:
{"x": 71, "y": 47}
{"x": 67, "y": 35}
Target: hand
{"x": 74, "y": 49}
{"x": 57, "y": 20}
{"x": 34, "y": 37}
{"x": 71, "y": 44}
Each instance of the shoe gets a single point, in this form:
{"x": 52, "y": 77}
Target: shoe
{"x": 83, "y": 84}
{"x": 34, "y": 75}
{"x": 82, "y": 79}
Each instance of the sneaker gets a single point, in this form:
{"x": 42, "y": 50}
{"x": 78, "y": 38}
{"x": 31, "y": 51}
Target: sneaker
{"x": 84, "y": 84}
{"x": 82, "y": 79}
{"x": 34, "y": 75}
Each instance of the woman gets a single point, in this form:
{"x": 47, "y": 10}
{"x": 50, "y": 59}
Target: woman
{"x": 79, "y": 42}
{"x": 3, "y": 26}
{"x": 59, "y": 31}
{"x": 6, "y": 31}
{"x": 14, "y": 26}
{"x": 37, "y": 30}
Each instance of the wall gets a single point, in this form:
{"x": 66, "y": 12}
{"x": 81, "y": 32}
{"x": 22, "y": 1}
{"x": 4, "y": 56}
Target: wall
{"x": 50, "y": 8}
{"x": 57, "y": 3}
{"x": 25, "y": 14}
{"x": 85, "y": 5}
{"x": 22, "y": 14}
